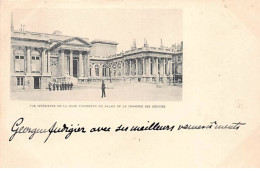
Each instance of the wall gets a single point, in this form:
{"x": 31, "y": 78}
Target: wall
{"x": 103, "y": 49}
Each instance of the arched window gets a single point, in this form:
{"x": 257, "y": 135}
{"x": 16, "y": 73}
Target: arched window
{"x": 119, "y": 69}
{"x": 36, "y": 62}
{"x": 19, "y": 61}
{"x": 97, "y": 70}
{"x": 104, "y": 74}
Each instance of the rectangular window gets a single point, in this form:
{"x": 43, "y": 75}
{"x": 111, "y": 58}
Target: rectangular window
{"x": 20, "y": 81}
{"x": 36, "y": 65}
{"x": 179, "y": 58}
{"x": 19, "y": 64}
{"x": 90, "y": 72}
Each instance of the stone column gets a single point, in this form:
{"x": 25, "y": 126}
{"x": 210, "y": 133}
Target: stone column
{"x": 28, "y": 57}
{"x": 156, "y": 67}
{"x": 136, "y": 69}
{"x": 43, "y": 65}
{"x": 88, "y": 65}
{"x": 156, "y": 70}
{"x": 65, "y": 65}
{"x": 122, "y": 68}
{"x": 130, "y": 68}
{"x": 125, "y": 68}
{"x": 163, "y": 66}
{"x": 149, "y": 67}
{"x": 80, "y": 64}
{"x": 12, "y": 60}
{"x": 160, "y": 64}
{"x": 146, "y": 67}
{"x": 143, "y": 69}
{"x": 166, "y": 67}
{"x": 170, "y": 67}
{"x": 49, "y": 62}
{"x": 100, "y": 70}
{"x": 84, "y": 66}
{"x": 71, "y": 62}
{"x": 45, "y": 61}
{"x": 61, "y": 62}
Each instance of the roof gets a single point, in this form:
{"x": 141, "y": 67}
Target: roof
{"x": 104, "y": 42}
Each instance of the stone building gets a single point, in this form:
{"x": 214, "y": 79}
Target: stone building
{"x": 40, "y": 58}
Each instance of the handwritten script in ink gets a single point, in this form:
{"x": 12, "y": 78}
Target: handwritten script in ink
{"x": 68, "y": 129}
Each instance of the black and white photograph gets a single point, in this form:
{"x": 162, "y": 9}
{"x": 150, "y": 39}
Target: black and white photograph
{"x": 96, "y": 54}
{"x": 129, "y": 84}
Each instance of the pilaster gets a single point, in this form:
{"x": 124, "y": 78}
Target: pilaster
{"x": 28, "y": 59}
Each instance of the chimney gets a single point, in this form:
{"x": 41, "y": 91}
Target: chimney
{"x": 145, "y": 43}
{"x": 12, "y": 24}
{"x": 134, "y": 44}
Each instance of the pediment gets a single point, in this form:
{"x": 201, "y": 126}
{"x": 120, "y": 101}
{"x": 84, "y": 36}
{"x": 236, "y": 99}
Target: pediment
{"x": 71, "y": 41}
{"x": 74, "y": 42}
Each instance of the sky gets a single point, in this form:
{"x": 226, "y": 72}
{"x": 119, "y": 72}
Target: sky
{"x": 120, "y": 25}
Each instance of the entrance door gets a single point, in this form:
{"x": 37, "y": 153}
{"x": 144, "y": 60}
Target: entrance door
{"x": 36, "y": 82}
{"x": 75, "y": 67}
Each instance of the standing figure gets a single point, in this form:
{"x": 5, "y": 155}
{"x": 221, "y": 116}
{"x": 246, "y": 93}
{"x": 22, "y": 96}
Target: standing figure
{"x": 57, "y": 86}
{"x": 71, "y": 85}
{"x": 68, "y": 86}
{"x": 62, "y": 86}
{"x": 53, "y": 86}
{"x": 49, "y": 86}
{"x": 103, "y": 87}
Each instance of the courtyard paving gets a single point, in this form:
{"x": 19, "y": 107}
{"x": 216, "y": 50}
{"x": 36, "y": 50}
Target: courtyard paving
{"x": 114, "y": 92}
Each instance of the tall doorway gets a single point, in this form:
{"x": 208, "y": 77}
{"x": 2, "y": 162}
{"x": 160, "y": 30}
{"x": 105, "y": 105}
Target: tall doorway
{"x": 37, "y": 81}
{"x": 75, "y": 67}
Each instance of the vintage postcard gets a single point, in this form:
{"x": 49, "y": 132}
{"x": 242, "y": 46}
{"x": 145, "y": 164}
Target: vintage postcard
{"x": 129, "y": 84}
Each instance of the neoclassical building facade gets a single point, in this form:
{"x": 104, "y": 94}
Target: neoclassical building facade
{"x": 40, "y": 58}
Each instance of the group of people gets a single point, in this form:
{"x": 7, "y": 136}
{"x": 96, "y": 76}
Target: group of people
{"x": 60, "y": 86}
